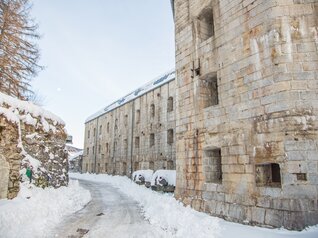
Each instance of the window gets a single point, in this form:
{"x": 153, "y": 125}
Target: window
{"x": 152, "y": 110}
{"x": 151, "y": 165}
{"x": 107, "y": 148}
{"x": 106, "y": 167}
{"x": 152, "y": 140}
{"x": 124, "y": 168}
{"x": 87, "y": 150}
{"x": 138, "y": 116}
{"x": 125, "y": 144}
{"x": 92, "y": 167}
{"x": 170, "y": 165}
{"x": 137, "y": 142}
{"x": 206, "y": 24}
{"x": 268, "y": 175}
{"x": 88, "y": 134}
{"x": 136, "y": 166}
{"x": 170, "y": 104}
{"x": 94, "y": 132}
{"x": 98, "y": 168}
{"x": 116, "y": 124}
{"x": 126, "y": 120}
{"x": 99, "y": 149}
{"x": 209, "y": 91}
{"x": 100, "y": 129}
{"x": 107, "y": 127}
{"x": 212, "y": 163}
{"x": 170, "y": 136}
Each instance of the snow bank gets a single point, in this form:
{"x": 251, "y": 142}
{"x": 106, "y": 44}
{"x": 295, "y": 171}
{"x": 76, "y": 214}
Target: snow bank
{"x": 26, "y": 108}
{"x": 166, "y": 212}
{"x": 34, "y": 212}
{"x": 147, "y": 174}
{"x": 168, "y": 175}
{"x": 162, "y": 210}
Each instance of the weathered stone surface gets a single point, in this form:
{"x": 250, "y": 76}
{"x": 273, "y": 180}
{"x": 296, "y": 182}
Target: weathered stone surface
{"x": 20, "y": 139}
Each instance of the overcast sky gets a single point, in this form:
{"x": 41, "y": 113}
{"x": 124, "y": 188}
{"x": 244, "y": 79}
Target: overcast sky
{"x": 96, "y": 51}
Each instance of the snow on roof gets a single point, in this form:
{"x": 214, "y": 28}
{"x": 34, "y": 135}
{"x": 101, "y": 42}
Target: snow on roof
{"x": 25, "y": 107}
{"x": 167, "y": 77}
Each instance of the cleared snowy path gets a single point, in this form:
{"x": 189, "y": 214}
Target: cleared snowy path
{"x": 110, "y": 213}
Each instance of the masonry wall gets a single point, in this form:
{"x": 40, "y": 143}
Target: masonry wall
{"x": 247, "y": 109}
{"x": 133, "y": 136}
{"x": 30, "y": 138}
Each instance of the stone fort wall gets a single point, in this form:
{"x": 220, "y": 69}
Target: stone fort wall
{"x": 247, "y": 109}
{"x": 139, "y": 134}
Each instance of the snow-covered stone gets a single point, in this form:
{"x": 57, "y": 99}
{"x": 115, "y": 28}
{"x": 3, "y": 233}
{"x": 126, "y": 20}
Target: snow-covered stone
{"x": 30, "y": 136}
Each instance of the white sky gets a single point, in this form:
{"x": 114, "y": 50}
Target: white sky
{"x": 96, "y": 51}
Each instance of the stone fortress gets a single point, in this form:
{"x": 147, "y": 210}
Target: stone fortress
{"x": 243, "y": 130}
{"x": 136, "y": 132}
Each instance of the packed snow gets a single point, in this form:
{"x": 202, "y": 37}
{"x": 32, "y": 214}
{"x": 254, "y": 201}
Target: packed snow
{"x": 166, "y": 212}
{"x": 35, "y": 211}
{"x": 17, "y": 106}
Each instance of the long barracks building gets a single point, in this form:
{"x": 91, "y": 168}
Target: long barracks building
{"x": 135, "y": 132}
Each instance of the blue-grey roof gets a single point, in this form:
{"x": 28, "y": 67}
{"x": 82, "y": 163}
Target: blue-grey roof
{"x": 165, "y": 78}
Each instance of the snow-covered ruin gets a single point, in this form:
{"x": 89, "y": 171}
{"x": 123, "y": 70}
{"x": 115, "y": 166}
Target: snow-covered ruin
{"x": 30, "y": 137}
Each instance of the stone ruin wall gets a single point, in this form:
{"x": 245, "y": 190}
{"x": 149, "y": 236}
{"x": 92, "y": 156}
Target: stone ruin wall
{"x": 247, "y": 110}
{"x": 46, "y": 146}
{"x": 111, "y": 138}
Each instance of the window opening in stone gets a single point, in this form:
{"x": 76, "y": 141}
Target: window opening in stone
{"x": 107, "y": 127}
{"x": 125, "y": 144}
{"x": 170, "y": 104}
{"x": 152, "y": 110}
{"x": 126, "y": 120}
{"x": 87, "y": 151}
{"x": 124, "y": 168}
{"x": 210, "y": 91}
{"x": 137, "y": 142}
{"x": 94, "y": 132}
{"x": 170, "y": 165}
{"x": 88, "y": 134}
{"x": 151, "y": 165}
{"x": 170, "y": 136}
{"x": 206, "y": 24}
{"x": 93, "y": 149}
{"x": 116, "y": 124}
{"x": 106, "y": 167}
{"x": 268, "y": 175}
{"x": 98, "y": 168}
{"x": 107, "y": 147}
{"x": 212, "y": 163}
{"x": 138, "y": 116}
{"x": 301, "y": 176}
{"x": 136, "y": 166}
{"x": 99, "y": 149}
{"x": 152, "y": 139}
{"x": 100, "y": 130}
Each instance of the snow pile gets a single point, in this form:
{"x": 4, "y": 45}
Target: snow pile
{"x": 162, "y": 210}
{"x": 168, "y": 175}
{"x": 11, "y": 107}
{"x": 146, "y": 174}
{"x": 34, "y": 212}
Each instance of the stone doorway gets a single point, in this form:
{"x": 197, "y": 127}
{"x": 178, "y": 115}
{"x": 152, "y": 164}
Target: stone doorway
{"x": 4, "y": 177}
